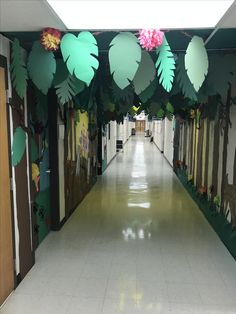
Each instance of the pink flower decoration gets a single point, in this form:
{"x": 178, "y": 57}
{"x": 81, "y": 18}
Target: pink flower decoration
{"x": 150, "y": 38}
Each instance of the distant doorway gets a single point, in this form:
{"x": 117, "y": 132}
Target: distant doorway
{"x": 140, "y": 125}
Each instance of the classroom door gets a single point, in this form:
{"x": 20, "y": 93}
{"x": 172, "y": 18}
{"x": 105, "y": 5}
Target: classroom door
{"x": 140, "y": 125}
{"x": 6, "y": 241}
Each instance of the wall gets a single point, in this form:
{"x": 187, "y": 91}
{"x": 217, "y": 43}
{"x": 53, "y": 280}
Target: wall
{"x": 168, "y": 140}
{"x": 158, "y": 133}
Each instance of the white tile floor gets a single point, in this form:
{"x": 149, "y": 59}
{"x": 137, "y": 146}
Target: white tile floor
{"x": 137, "y": 244}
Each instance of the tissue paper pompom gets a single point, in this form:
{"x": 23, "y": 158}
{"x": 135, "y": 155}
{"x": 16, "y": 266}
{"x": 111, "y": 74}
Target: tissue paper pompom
{"x": 50, "y": 39}
{"x": 150, "y": 38}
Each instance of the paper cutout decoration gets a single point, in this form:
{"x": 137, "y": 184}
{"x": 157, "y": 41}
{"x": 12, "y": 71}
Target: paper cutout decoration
{"x": 79, "y": 53}
{"x": 18, "y": 69}
{"x": 18, "y": 146}
{"x": 196, "y": 62}
{"x": 35, "y": 175}
{"x": 108, "y": 105}
{"x": 165, "y": 65}
{"x": 68, "y": 88}
{"x": 169, "y": 107}
{"x": 150, "y": 38}
{"x": 41, "y": 67}
{"x": 50, "y": 39}
{"x": 124, "y": 58}
{"x": 34, "y": 150}
{"x": 44, "y": 171}
{"x": 145, "y": 74}
{"x": 160, "y": 114}
{"x": 154, "y": 107}
{"x": 183, "y": 79}
{"x": 126, "y": 94}
{"x": 61, "y": 72}
{"x": 149, "y": 91}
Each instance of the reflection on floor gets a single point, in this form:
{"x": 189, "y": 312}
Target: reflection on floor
{"x": 137, "y": 244}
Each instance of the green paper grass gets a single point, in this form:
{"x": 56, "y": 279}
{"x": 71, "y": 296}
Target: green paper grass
{"x": 124, "y": 58}
{"x": 79, "y": 53}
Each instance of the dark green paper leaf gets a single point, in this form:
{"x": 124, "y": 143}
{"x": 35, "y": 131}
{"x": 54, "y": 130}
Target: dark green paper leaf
{"x": 18, "y": 146}
{"x": 18, "y": 69}
{"x": 41, "y": 66}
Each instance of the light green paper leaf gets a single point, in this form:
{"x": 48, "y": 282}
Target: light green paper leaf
{"x": 124, "y": 58}
{"x": 145, "y": 74}
{"x": 169, "y": 108}
{"x": 183, "y": 79}
{"x": 65, "y": 90}
{"x": 196, "y": 62}
{"x": 165, "y": 65}
{"x": 41, "y": 67}
{"x": 61, "y": 72}
{"x": 79, "y": 53}
{"x": 149, "y": 91}
{"x": 18, "y": 146}
{"x": 18, "y": 69}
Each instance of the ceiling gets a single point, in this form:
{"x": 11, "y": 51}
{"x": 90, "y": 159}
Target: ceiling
{"x": 13, "y": 23}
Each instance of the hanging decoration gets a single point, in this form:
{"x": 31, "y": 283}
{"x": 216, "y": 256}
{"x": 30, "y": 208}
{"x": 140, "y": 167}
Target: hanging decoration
{"x": 80, "y": 55}
{"x": 18, "y": 146}
{"x": 165, "y": 65}
{"x": 126, "y": 94}
{"x": 124, "y": 58}
{"x": 61, "y": 72}
{"x": 145, "y": 74}
{"x": 149, "y": 91}
{"x": 68, "y": 88}
{"x": 150, "y": 38}
{"x": 41, "y": 67}
{"x": 183, "y": 79}
{"x": 35, "y": 176}
{"x": 18, "y": 69}
{"x": 50, "y": 39}
{"x": 196, "y": 62}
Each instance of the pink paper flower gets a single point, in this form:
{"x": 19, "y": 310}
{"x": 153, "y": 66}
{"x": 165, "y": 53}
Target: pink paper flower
{"x": 150, "y": 38}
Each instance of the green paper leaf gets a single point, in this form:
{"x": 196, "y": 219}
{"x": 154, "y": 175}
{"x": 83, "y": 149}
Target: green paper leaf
{"x": 70, "y": 87}
{"x": 160, "y": 114}
{"x": 154, "y": 108}
{"x": 61, "y": 72}
{"x": 18, "y": 146}
{"x": 79, "y": 53}
{"x": 145, "y": 74}
{"x": 18, "y": 69}
{"x": 165, "y": 65}
{"x": 183, "y": 79}
{"x": 126, "y": 94}
{"x": 169, "y": 108}
{"x": 124, "y": 58}
{"x": 108, "y": 105}
{"x": 149, "y": 91}
{"x": 196, "y": 62}
{"x": 41, "y": 66}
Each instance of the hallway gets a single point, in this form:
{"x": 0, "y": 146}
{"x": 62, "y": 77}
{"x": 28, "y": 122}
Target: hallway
{"x": 136, "y": 244}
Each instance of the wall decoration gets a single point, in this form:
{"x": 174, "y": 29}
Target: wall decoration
{"x": 35, "y": 176}
{"x": 42, "y": 67}
{"x": 126, "y": 94}
{"x": 196, "y": 62}
{"x": 34, "y": 155}
{"x": 183, "y": 79}
{"x": 61, "y": 72}
{"x": 150, "y": 38}
{"x": 65, "y": 90}
{"x": 79, "y": 53}
{"x": 18, "y": 146}
{"x": 50, "y": 39}
{"x": 145, "y": 74}
{"x": 124, "y": 47}
{"x": 149, "y": 91}
{"x": 165, "y": 65}
{"x": 18, "y": 69}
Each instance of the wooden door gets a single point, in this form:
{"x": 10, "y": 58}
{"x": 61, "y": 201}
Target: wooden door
{"x": 6, "y": 241}
{"x": 140, "y": 125}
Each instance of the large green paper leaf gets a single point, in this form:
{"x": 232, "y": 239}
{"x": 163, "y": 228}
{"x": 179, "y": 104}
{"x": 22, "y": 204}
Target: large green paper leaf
{"x": 18, "y": 146}
{"x": 18, "y": 69}
{"x": 165, "y": 65}
{"x": 41, "y": 67}
{"x": 183, "y": 79}
{"x": 146, "y": 73}
{"x": 68, "y": 88}
{"x": 80, "y": 54}
{"x": 124, "y": 58}
{"x": 196, "y": 62}
{"x": 149, "y": 91}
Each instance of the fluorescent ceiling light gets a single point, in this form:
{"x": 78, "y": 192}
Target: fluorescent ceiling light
{"x": 132, "y": 14}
